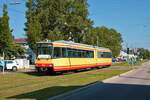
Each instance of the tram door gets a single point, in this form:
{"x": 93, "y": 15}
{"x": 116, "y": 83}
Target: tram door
{"x": 60, "y": 59}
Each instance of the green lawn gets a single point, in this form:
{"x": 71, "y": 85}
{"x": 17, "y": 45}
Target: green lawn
{"x": 41, "y": 86}
{"x": 138, "y": 63}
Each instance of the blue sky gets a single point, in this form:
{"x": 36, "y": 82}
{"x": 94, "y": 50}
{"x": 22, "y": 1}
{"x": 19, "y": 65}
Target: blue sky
{"x": 130, "y": 17}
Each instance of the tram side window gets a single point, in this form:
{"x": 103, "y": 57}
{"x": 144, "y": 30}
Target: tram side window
{"x": 64, "y": 52}
{"x": 107, "y": 54}
{"x": 57, "y": 52}
{"x": 80, "y": 53}
{"x": 90, "y": 54}
{"x": 76, "y": 53}
{"x": 84, "y": 54}
{"x": 104, "y": 54}
{"x": 69, "y": 52}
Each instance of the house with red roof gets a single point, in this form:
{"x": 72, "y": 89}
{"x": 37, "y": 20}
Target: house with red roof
{"x": 28, "y": 51}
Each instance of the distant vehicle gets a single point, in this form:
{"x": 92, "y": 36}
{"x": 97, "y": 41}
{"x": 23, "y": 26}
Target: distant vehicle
{"x": 11, "y": 65}
{"x": 114, "y": 60}
{"x": 1, "y": 68}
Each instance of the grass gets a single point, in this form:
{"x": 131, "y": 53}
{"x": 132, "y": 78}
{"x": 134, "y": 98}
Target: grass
{"x": 138, "y": 63}
{"x": 42, "y": 86}
{"x": 121, "y": 64}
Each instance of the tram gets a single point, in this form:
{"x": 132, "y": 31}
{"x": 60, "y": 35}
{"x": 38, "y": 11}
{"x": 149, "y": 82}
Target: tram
{"x": 67, "y": 55}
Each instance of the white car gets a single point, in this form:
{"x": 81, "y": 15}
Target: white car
{"x": 11, "y": 65}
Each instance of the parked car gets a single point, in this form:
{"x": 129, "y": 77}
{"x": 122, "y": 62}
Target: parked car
{"x": 114, "y": 60}
{"x": 11, "y": 65}
{"x": 2, "y": 64}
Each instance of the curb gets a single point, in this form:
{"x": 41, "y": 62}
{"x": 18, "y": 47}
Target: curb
{"x": 117, "y": 76}
{"x": 87, "y": 86}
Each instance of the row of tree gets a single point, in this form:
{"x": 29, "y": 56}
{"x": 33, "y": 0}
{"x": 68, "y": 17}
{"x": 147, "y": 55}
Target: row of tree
{"x": 104, "y": 37}
{"x": 7, "y": 45}
{"x": 67, "y": 20}
{"x": 144, "y": 53}
{"x": 56, "y": 20}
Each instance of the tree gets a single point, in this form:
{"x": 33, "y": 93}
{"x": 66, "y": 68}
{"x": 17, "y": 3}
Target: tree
{"x": 56, "y": 19}
{"x": 77, "y": 19}
{"x": 144, "y": 53}
{"x": 67, "y": 20}
{"x": 6, "y": 39}
{"x": 18, "y": 51}
{"x": 105, "y": 37}
{"x": 33, "y": 26}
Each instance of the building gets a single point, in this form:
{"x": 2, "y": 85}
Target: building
{"x": 28, "y": 51}
{"x": 132, "y": 54}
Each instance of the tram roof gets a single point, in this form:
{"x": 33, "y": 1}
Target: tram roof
{"x": 78, "y": 44}
{"x": 71, "y": 43}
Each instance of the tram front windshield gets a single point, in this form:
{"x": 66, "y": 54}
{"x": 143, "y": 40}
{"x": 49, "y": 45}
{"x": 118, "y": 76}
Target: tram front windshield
{"x": 44, "y": 52}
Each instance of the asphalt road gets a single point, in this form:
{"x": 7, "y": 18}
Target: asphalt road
{"x": 134, "y": 85}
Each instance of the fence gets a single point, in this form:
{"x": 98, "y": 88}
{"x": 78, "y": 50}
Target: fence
{"x": 22, "y": 63}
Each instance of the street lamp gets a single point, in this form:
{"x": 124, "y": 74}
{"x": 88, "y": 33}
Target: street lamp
{"x": 97, "y": 41}
{"x": 15, "y": 3}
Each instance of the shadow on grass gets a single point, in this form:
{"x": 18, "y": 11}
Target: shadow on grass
{"x": 44, "y": 93}
{"x": 100, "y": 91}
{"x": 35, "y": 73}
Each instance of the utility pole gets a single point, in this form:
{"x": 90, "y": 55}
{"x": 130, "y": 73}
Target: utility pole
{"x": 3, "y": 62}
{"x": 97, "y": 41}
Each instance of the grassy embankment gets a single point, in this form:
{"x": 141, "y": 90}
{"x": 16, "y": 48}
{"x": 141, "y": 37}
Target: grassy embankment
{"x": 41, "y": 86}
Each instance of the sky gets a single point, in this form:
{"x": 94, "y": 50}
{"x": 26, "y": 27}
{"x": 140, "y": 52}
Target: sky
{"x": 129, "y": 17}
